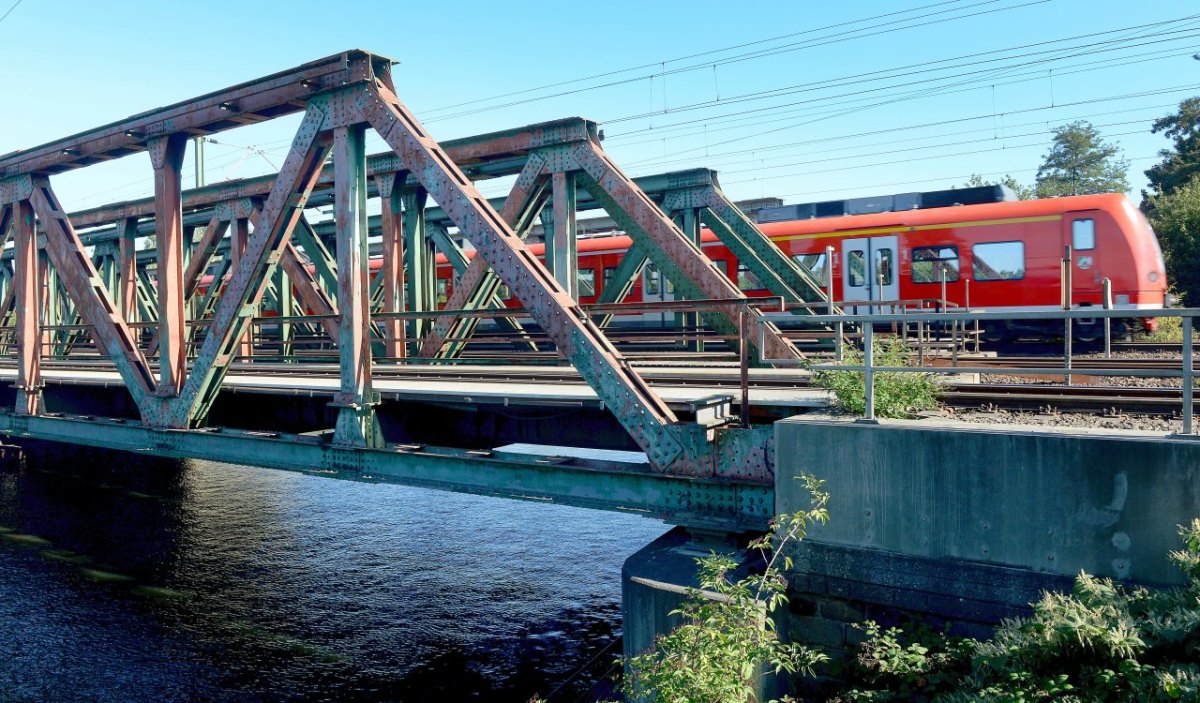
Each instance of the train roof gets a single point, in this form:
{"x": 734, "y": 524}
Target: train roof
{"x": 1116, "y": 204}
{"x": 974, "y": 195}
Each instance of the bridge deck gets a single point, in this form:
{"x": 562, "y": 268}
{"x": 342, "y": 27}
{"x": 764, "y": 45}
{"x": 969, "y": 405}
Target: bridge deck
{"x": 505, "y": 385}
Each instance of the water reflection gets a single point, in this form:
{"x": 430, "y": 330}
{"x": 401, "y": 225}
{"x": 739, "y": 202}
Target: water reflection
{"x": 131, "y": 578}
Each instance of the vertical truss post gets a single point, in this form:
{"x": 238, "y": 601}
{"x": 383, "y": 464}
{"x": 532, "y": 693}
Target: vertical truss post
{"x": 239, "y": 233}
{"x": 166, "y": 154}
{"x": 29, "y": 311}
{"x": 127, "y": 268}
{"x": 391, "y": 269}
{"x": 105, "y": 257}
{"x": 237, "y": 306}
{"x": 419, "y": 260}
{"x": 561, "y": 254}
{"x": 691, "y": 321}
{"x": 357, "y": 424}
{"x": 49, "y": 291}
{"x": 284, "y": 304}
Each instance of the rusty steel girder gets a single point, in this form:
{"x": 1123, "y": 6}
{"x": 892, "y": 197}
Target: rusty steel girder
{"x": 575, "y": 150}
{"x": 340, "y": 97}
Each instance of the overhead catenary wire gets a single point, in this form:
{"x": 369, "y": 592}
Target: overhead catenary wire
{"x": 888, "y": 100}
{"x": 715, "y": 158}
{"x": 974, "y": 152}
{"x": 709, "y": 52}
{"x": 781, "y": 112}
{"x": 706, "y": 65}
{"x": 933, "y": 66}
{"x": 9, "y": 10}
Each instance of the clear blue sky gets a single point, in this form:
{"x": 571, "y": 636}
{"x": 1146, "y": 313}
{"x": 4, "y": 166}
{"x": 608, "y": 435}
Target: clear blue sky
{"x": 846, "y": 92}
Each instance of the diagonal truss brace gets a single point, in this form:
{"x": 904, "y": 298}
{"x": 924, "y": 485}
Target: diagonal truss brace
{"x": 479, "y": 283}
{"x": 670, "y": 249}
{"x": 697, "y": 191}
{"x": 662, "y": 241}
{"x": 669, "y": 445}
{"x": 672, "y": 446}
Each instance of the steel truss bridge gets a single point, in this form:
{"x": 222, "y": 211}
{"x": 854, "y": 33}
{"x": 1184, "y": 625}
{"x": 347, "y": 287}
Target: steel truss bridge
{"x": 167, "y": 322}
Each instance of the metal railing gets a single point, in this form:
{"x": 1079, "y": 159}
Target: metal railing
{"x": 869, "y": 368}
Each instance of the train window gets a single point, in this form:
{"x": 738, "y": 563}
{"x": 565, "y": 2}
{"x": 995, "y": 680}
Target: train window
{"x": 998, "y": 261}
{"x": 883, "y": 266}
{"x": 586, "y": 282}
{"x": 813, "y": 263}
{"x": 504, "y": 292}
{"x": 443, "y": 290}
{"x": 747, "y": 280}
{"x": 856, "y": 264}
{"x": 929, "y": 263}
{"x": 1083, "y": 234}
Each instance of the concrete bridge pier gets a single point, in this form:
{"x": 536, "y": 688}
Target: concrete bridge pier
{"x": 949, "y": 522}
{"x": 656, "y": 579}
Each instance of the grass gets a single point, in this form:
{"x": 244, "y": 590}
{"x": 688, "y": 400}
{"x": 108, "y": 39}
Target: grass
{"x": 897, "y": 394}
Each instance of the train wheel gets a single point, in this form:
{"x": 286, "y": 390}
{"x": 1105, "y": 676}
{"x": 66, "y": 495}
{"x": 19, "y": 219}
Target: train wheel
{"x": 995, "y": 333}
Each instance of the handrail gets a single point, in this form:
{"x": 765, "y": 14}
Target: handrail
{"x": 869, "y": 368}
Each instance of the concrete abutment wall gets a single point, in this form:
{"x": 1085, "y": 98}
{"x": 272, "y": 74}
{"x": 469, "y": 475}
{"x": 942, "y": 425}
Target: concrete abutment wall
{"x": 952, "y": 522}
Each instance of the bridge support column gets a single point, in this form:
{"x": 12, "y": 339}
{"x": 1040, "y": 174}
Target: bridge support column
{"x": 29, "y": 299}
{"x": 239, "y": 234}
{"x": 420, "y": 283}
{"x": 166, "y": 154}
{"x": 127, "y": 268}
{"x": 561, "y": 242}
{"x": 392, "y": 269}
{"x": 356, "y": 424}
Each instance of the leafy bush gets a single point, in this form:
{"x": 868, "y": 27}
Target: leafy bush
{"x": 728, "y": 632}
{"x": 1170, "y": 329}
{"x": 896, "y": 394}
{"x": 1102, "y": 642}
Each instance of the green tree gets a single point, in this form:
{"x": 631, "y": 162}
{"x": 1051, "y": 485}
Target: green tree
{"x": 1176, "y": 220}
{"x": 1181, "y": 162}
{"x": 1080, "y": 162}
{"x": 1023, "y": 192}
{"x": 728, "y": 632}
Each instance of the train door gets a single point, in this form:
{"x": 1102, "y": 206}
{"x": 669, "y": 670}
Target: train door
{"x": 869, "y": 272}
{"x": 657, "y": 289}
{"x": 1082, "y": 237}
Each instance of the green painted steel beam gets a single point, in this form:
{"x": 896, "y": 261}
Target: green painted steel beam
{"x": 712, "y": 503}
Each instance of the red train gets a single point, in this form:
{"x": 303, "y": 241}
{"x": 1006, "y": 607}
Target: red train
{"x": 1010, "y": 253}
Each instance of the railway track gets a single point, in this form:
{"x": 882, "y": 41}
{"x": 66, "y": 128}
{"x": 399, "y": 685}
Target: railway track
{"x": 1107, "y": 400}
{"x": 1045, "y": 398}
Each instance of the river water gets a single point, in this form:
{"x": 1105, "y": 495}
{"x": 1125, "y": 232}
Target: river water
{"x": 125, "y": 578}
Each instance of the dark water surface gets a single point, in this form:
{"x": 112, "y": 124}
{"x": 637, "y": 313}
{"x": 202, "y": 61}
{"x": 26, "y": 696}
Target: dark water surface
{"x": 125, "y": 578}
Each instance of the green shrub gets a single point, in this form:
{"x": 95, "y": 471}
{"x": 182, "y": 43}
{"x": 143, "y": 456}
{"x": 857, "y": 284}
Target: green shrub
{"x": 1101, "y": 642}
{"x": 1170, "y": 329}
{"x": 728, "y": 632}
{"x": 896, "y": 394}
